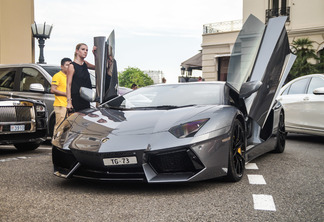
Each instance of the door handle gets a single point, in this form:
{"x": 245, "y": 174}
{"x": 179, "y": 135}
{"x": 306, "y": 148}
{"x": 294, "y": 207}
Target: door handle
{"x": 306, "y": 98}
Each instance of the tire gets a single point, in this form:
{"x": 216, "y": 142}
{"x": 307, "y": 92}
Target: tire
{"x": 281, "y": 135}
{"x": 26, "y": 146}
{"x": 236, "y": 161}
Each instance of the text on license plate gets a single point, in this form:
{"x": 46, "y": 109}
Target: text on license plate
{"x": 15, "y": 128}
{"x": 120, "y": 161}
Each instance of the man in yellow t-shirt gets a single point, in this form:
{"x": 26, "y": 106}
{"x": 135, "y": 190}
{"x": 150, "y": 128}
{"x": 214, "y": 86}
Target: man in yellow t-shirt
{"x": 58, "y": 87}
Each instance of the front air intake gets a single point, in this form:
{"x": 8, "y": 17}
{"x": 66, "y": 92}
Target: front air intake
{"x": 178, "y": 161}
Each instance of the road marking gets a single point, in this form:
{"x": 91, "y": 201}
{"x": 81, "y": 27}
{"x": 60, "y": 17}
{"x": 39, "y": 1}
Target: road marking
{"x": 263, "y": 202}
{"x": 251, "y": 166}
{"x": 23, "y": 157}
{"x": 260, "y": 201}
{"x": 256, "y": 179}
{"x": 44, "y": 148}
{"x": 15, "y": 158}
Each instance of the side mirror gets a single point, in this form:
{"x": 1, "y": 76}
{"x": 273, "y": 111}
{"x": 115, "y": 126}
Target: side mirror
{"x": 319, "y": 91}
{"x": 249, "y": 88}
{"x": 36, "y": 87}
{"x": 88, "y": 94}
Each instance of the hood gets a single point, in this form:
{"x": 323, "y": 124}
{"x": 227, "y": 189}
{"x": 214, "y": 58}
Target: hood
{"x": 14, "y": 99}
{"x": 103, "y": 121}
{"x": 104, "y": 130}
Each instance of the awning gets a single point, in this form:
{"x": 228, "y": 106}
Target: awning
{"x": 194, "y": 62}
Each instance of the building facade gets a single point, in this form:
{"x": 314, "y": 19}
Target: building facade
{"x": 305, "y": 20}
{"x": 156, "y": 76}
{"x": 16, "y": 40}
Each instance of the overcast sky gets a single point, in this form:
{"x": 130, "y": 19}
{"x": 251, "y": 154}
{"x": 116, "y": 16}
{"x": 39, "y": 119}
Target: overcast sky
{"x": 150, "y": 34}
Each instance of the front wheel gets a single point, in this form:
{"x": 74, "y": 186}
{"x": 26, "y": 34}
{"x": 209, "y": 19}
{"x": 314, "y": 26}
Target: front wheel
{"x": 26, "y": 146}
{"x": 281, "y": 135}
{"x": 236, "y": 161}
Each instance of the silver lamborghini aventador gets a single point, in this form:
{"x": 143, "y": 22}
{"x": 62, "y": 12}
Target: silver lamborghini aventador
{"x": 187, "y": 131}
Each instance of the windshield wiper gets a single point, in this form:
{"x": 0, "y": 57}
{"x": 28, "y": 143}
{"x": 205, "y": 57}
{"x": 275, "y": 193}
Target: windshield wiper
{"x": 162, "y": 107}
{"x": 165, "y": 107}
{"x": 147, "y": 107}
{"x": 116, "y": 107}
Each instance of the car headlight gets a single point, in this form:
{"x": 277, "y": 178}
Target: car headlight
{"x": 187, "y": 129}
{"x": 40, "y": 108}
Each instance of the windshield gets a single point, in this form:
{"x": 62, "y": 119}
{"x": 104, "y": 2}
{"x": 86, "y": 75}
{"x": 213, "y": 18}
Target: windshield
{"x": 171, "y": 96}
{"x": 244, "y": 52}
{"x": 52, "y": 70}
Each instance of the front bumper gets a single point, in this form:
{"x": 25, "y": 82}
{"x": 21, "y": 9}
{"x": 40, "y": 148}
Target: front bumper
{"x": 37, "y": 137}
{"x": 163, "y": 166}
{"x": 205, "y": 160}
{"x": 90, "y": 165}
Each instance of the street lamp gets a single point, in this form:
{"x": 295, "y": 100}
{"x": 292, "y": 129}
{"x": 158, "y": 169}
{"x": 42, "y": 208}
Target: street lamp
{"x": 41, "y": 32}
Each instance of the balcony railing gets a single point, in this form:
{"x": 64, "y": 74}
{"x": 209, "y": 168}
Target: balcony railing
{"x": 271, "y": 13}
{"x": 222, "y": 27}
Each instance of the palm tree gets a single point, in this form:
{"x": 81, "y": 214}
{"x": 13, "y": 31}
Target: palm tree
{"x": 303, "y": 49}
{"x": 320, "y": 65}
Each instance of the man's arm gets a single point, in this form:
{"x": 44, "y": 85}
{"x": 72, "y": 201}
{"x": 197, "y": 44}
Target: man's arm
{"x": 56, "y": 91}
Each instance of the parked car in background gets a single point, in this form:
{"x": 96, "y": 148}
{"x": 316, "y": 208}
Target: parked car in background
{"x": 303, "y": 102}
{"x": 22, "y": 122}
{"x": 33, "y": 81}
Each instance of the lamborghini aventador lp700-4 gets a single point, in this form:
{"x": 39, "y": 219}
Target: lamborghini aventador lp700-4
{"x": 187, "y": 131}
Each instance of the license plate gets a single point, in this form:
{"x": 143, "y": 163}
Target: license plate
{"x": 16, "y": 128}
{"x": 120, "y": 161}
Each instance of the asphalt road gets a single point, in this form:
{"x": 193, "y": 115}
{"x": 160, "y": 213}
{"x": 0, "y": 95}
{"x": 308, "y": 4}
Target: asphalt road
{"x": 291, "y": 187}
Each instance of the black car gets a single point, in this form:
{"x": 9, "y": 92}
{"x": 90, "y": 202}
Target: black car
{"x": 22, "y": 122}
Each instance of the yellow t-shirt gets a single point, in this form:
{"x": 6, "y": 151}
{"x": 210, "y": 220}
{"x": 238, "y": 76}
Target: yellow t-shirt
{"x": 59, "y": 79}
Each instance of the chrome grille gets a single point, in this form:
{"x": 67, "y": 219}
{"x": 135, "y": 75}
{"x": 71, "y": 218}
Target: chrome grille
{"x": 15, "y": 114}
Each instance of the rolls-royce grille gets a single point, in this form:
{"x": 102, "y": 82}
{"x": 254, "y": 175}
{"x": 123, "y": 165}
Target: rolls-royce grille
{"x": 15, "y": 114}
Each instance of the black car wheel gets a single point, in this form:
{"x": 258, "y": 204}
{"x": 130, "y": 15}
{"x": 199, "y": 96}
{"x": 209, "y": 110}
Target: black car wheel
{"x": 26, "y": 146}
{"x": 236, "y": 162}
{"x": 281, "y": 135}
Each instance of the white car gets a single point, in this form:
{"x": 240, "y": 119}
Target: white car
{"x": 303, "y": 102}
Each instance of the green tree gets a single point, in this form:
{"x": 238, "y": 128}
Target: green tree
{"x": 134, "y": 75}
{"x": 303, "y": 49}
